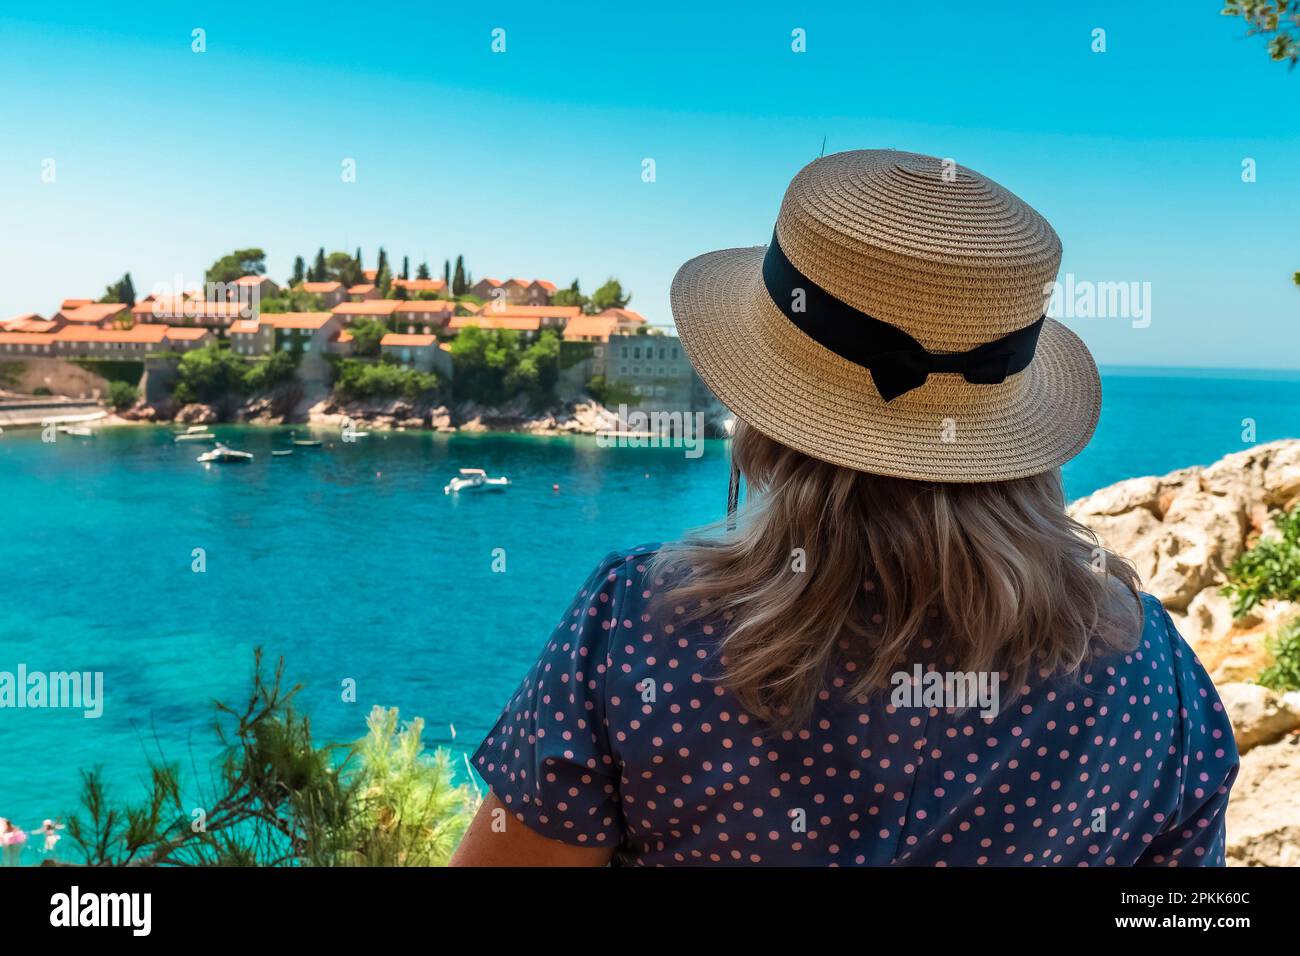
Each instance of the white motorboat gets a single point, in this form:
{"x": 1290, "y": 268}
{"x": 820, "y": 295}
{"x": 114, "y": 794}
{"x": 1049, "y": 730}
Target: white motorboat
{"x": 196, "y": 433}
{"x": 475, "y": 479}
{"x": 225, "y": 455}
{"x": 80, "y": 431}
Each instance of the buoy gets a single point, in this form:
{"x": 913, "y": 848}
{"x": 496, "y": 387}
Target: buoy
{"x": 555, "y": 488}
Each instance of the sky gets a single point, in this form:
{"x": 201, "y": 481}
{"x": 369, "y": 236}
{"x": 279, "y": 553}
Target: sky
{"x": 529, "y": 162}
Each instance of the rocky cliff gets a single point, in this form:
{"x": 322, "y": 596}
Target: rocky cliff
{"x": 1182, "y": 531}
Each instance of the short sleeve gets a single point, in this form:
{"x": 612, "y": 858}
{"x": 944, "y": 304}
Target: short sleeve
{"x": 548, "y": 756}
{"x": 1196, "y": 834}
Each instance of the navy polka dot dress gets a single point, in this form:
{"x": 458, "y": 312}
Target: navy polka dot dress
{"x": 623, "y": 737}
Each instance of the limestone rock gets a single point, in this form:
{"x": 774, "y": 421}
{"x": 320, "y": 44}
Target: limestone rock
{"x": 1263, "y": 812}
{"x": 1258, "y": 715}
{"x": 197, "y": 414}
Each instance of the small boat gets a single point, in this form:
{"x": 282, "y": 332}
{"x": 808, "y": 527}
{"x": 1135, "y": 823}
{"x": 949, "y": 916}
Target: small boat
{"x": 195, "y": 433}
{"x": 475, "y": 479}
{"x": 226, "y": 455}
{"x": 281, "y": 452}
{"x": 80, "y": 431}
{"x": 307, "y": 442}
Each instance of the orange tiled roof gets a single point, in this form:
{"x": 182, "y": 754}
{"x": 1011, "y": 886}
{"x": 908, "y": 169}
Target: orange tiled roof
{"x": 245, "y": 327}
{"x": 520, "y": 323}
{"x": 183, "y": 333}
{"x": 143, "y": 333}
{"x": 624, "y": 315}
{"x": 533, "y": 311}
{"x": 94, "y": 312}
{"x": 586, "y": 327}
{"x": 548, "y": 286}
{"x": 251, "y": 280}
{"x": 368, "y": 307}
{"x": 370, "y": 274}
{"x": 421, "y": 341}
{"x": 343, "y": 336}
{"x": 296, "y": 320}
{"x": 25, "y": 338}
{"x": 420, "y": 285}
{"x": 74, "y": 303}
{"x": 361, "y": 288}
{"x": 30, "y": 323}
{"x": 321, "y": 288}
{"x": 426, "y": 305}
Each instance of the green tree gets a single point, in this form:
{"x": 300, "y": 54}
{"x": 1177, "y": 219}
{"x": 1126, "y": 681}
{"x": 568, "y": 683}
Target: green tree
{"x": 276, "y": 369}
{"x": 292, "y": 300}
{"x": 123, "y": 291}
{"x": 423, "y": 271}
{"x": 241, "y": 262}
{"x": 458, "y": 283}
{"x": 570, "y": 296}
{"x": 342, "y": 267}
{"x": 299, "y": 272}
{"x": 609, "y": 296}
{"x": 209, "y": 374}
{"x": 320, "y": 268}
{"x": 122, "y": 394}
{"x": 382, "y": 264}
{"x": 277, "y": 798}
{"x": 366, "y": 335}
{"x": 446, "y": 273}
{"x": 406, "y": 267}
{"x": 1278, "y": 20}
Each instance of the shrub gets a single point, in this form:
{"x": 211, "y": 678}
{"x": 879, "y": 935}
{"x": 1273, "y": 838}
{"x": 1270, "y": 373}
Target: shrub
{"x": 1268, "y": 571}
{"x": 277, "y": 368}
{"x": 1283, "y": 673}
{"x": 122, "y": 394}
{"x": 209, "y": 374}
{"x": 361, "y": 379}
{"x": 276, "y": 798}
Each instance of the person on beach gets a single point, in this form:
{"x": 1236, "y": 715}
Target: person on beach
{"x": 904, "y": 652}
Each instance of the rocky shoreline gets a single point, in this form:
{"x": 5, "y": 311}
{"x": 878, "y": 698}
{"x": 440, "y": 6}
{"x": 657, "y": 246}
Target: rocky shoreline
{"x": 290, "y": 405}
{"x": 1182, "y": 530}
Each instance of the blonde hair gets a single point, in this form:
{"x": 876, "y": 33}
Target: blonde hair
{"x": 989, "y": 577}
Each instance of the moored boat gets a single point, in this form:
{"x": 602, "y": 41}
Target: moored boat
{"x": 225, "y": 455}
{"x": 475, "y": 479}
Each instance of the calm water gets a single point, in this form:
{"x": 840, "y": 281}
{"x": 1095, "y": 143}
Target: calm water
{"x": 351, "y": 563}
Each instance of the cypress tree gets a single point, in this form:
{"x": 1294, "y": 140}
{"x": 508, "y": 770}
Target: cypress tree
{"x": 458, "y": 278}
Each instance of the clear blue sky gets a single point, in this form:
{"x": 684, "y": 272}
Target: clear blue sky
{"x": 529, "y": 163}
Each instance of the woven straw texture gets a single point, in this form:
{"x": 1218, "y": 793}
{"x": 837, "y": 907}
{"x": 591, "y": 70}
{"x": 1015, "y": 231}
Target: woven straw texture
{"x": 955, "y": 260}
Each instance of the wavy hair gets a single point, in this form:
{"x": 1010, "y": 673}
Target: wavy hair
{"x": 824, "y": 560}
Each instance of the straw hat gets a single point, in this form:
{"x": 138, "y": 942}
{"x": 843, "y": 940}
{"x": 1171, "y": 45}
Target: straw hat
{"x": 896, "y": 325}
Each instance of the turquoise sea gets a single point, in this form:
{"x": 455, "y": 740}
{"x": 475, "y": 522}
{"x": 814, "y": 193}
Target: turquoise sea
{"x": 350, "y": 562}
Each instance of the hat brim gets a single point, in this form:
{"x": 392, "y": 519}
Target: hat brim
{"x": 801, "y": 394}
